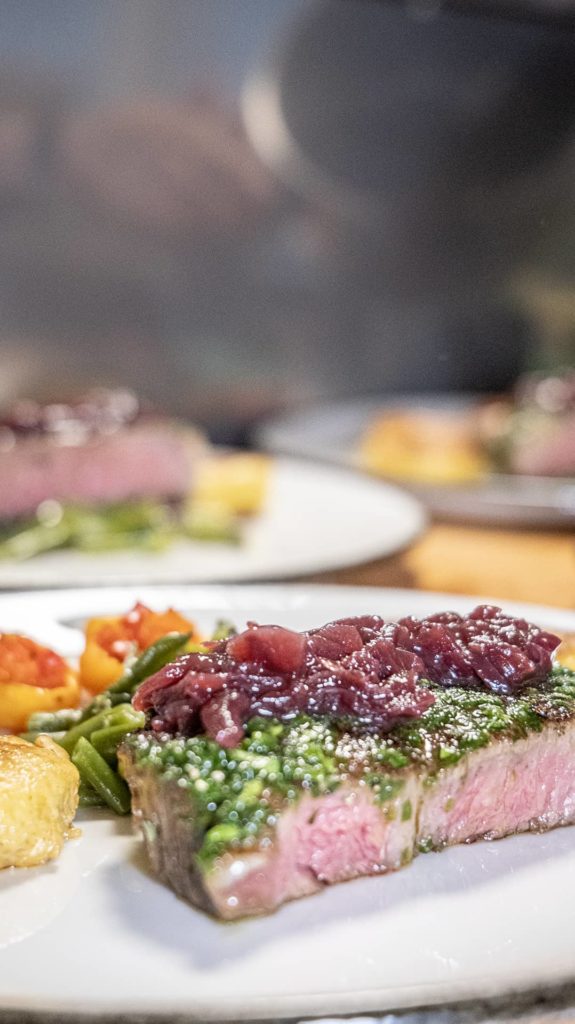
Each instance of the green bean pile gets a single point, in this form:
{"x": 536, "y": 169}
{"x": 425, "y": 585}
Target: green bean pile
{"x": 144, "y": 525}
{"x": 92, "y": 735}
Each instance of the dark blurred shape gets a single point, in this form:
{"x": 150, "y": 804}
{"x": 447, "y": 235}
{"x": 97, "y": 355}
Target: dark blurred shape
{"x": 169, "y": 165}
{"x": 555, "y": 12}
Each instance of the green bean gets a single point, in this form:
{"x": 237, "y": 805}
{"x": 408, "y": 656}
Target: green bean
{"x": 33, "y": 538}
{"x": 32, "y": 735}
{"x": 123, "y": 714}
{"x": 53, "y": 721}
{"x": 119, "y": 698}
{"x": 83, "y": 729}
{"x": 150, "y": 661}
{"x": 126, "y": 715}
{"x": 224, "y": 629}
{"x": 104, "y": 702}
{"x": 100, "y": 703}
{"x": 146, "y": 524}
{"x": 87, "y": 796}
{"x": 143, "y": 524}
{"x": 106, "y": 741}
{"x": 104, "y": 780}
{"x": 153, "y": 538}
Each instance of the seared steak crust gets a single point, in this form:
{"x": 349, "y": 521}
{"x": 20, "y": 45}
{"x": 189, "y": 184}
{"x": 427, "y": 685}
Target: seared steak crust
{"x": 173, "y": 838}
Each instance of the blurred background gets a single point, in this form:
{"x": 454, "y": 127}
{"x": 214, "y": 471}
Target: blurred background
{"x": 241, "y": 206}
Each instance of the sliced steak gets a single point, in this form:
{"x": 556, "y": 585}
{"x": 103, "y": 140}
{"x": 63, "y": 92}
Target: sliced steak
{"x": 300, "y": 804}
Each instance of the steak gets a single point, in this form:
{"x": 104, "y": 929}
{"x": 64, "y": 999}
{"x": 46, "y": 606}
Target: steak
{"x": 91, "y": 454}
{"x": 535, "y": 433}
{"x": 300, "y": 799}
{"x": 549, "y": 453}
{"x": 300, "y": 805}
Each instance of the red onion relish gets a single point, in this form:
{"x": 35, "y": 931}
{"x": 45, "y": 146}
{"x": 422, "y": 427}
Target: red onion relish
{"x": 360, "y": 669}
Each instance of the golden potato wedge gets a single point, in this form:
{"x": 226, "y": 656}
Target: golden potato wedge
{"x": 38, "y": 800}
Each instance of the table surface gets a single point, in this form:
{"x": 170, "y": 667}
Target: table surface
{"x": 512, "y": 565}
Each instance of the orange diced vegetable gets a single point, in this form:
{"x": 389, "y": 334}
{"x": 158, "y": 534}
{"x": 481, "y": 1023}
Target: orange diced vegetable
{"x": 111, "y": 640}
{"x": 32, "y": 678}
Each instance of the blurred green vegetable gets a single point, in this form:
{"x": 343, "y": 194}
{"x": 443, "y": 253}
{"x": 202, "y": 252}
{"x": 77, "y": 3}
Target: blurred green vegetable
{"x": 88, "y": 797}
{"x": 144, "y": 525}
{"x": 224, "y": 629}
{"x": 24, "y": 540}
{"x": 212, "y": 522}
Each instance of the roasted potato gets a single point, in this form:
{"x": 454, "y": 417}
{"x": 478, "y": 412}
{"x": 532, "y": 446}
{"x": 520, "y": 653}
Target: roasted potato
{"x": 38, "y": 800}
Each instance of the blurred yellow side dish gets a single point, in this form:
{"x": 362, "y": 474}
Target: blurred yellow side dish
{"x": 423, "y": 446}
{"x": 237, "y": 481}
{"x": 38, "y": 800}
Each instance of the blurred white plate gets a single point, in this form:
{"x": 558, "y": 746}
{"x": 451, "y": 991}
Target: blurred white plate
{"x": 95, "y": 933}
{"x": 332, "y": 433}
{"x": 316, "y": 518}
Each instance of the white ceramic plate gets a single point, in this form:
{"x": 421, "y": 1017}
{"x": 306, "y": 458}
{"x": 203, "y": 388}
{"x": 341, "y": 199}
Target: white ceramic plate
{"x": 94, "y": 932}
{"x": 316, "y": 518}
{"x": 332, "y": 432}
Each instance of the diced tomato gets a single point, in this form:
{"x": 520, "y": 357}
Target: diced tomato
{"x": 32, "y": 678}
{"x": 22, "y": 660}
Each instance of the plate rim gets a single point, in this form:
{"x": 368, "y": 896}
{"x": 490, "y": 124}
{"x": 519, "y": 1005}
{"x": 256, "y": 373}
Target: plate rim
{"x": 209, "y": 596}
{"x": 311, "y": 1007}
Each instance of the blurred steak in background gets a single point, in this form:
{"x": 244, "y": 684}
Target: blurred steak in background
{"x": 98, "y": 450}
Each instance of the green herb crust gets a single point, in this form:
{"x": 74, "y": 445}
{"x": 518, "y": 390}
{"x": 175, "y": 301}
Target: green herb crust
{"x": 236, "y": 794}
